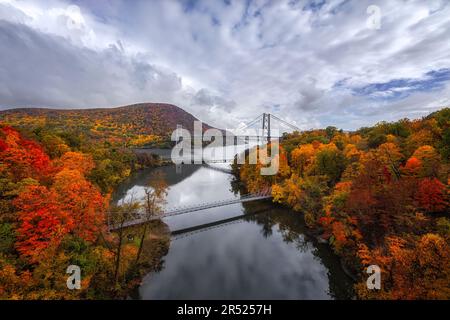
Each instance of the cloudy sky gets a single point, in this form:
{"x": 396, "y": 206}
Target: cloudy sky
{"x": 314, "y": 63}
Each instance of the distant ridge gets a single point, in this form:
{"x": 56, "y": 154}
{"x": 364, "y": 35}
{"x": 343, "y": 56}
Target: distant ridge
{"x": 142, "y": 118}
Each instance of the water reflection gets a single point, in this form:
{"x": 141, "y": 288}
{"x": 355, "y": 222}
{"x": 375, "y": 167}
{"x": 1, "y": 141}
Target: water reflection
{"x": 259, "y": 251}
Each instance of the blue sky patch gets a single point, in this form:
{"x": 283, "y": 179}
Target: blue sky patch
{"x": 401, "y": 88}
{"x": 314, "y": 5}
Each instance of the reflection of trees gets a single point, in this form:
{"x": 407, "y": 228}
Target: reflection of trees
{"x": 142, "y": 177}
{"x": 267, "y": 229}
{"x": 293, "y": 230}
{"x": 236, "y": 186}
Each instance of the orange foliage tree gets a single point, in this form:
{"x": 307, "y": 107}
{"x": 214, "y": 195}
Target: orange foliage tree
{"x": 84, "y": 202}
{"x": 81, "y": 162}
{"x": 430, "y": 160}
{"x": 417, "y": 271}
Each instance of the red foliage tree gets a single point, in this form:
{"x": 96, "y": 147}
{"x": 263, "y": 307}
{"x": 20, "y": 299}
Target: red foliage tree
{"x": 3, "y": 145}
{"x": 42, "y": 221}
{"x": 431, "y": 195}
{"x": 23, "y": 158}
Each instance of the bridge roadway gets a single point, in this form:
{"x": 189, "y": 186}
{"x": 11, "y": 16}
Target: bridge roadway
{"x": 220, "y": 169}
{"x": 178, "y": 211}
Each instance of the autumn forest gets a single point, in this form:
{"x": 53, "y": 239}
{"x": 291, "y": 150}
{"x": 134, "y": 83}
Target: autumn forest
{"x": 378, "y": 195}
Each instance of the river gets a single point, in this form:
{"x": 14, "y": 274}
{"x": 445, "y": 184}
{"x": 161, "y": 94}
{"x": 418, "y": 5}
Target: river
{"x": 260, "y": 251}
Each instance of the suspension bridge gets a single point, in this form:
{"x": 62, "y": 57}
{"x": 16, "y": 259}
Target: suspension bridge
{"x": 259, "y": 131}
{"x": 266, "y": 120}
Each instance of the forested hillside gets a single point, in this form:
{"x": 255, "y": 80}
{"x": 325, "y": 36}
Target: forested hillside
{"x": 133, "y": 125}
{"x": 108, "y": 135}
{"x": 379, "y": 195}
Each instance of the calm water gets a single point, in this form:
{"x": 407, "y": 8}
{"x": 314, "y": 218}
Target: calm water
{"x": 260, "y": 251}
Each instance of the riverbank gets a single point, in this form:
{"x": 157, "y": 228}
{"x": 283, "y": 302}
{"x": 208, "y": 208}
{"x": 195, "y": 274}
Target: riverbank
{"x": 156, "y": 246}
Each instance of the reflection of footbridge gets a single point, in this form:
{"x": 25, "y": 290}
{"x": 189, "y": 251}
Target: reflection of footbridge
{"x": 187, "y": 232}
{"x": 170, "y": 212}
{"x": 218, "y": 224}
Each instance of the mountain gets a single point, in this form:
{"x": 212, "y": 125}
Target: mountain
{"x": 140, "y": 119}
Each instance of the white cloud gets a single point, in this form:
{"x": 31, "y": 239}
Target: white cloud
{"x": 224, "y": 63}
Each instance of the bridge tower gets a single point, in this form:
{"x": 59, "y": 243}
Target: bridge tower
{"x": 266, "y": 125}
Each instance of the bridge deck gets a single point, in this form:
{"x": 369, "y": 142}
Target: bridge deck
{"x": 179, "y": 211}
{"x": 216, "y": 168}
